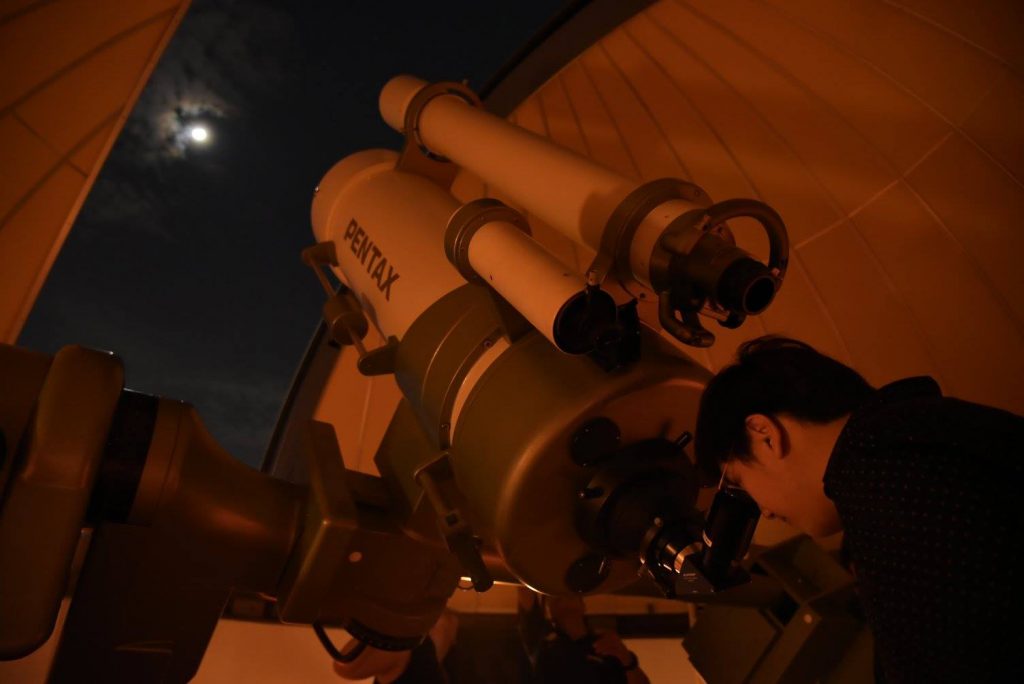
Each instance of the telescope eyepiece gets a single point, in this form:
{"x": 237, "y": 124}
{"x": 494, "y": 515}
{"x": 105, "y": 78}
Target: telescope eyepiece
{"x": 684, "y": 560}
{"x": 746, "y": 286}
{"x": 728, "y": 531}
{"x": 698, "y": 269}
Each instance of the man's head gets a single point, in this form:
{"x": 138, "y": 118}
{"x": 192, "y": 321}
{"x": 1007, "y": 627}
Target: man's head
{"x": 769, "y": 423}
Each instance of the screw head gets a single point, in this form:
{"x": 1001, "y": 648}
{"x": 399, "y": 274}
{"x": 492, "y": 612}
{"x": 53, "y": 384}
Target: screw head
{"x": 594, "y": 440}
{"x": 587, "y": 572}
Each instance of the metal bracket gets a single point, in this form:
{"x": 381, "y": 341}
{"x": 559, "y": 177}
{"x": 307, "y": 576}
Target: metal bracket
{"x": 346, "y": 323}
{"x": 468, "y": 219}
{"x": 459, "y": 232}
{"x": 613, "y": 255}
{"x": 379, "y": 361}
{"x": 330, "y": 522}
{"x": 416, "y": 157}
{"x": 438, "y": 482}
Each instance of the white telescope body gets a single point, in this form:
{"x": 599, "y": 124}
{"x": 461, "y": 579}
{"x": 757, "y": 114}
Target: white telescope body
{"x": 388, "y": 228}
{"x": 530, "y": 435}
{"x": 388, "y": 232}
{"x": 506, "y": 409}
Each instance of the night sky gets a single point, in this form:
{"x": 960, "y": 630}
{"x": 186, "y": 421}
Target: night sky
{"x": 185, "y": 258}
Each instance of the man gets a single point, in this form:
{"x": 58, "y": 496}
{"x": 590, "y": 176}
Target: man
{"x": 928, "y": 490}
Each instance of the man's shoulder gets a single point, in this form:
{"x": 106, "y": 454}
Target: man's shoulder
{"x": 910, "y": 432}
{"x": 914, "y": 411}
{"x": 926, "y": 487}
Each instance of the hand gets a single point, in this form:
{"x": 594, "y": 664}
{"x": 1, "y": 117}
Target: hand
{"x": 609, "y": 645}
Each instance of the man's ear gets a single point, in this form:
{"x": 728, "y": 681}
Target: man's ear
{"x": 766, "y": 438}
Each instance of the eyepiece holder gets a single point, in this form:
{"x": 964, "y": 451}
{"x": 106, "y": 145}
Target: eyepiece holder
{"x": 696, "y": 268}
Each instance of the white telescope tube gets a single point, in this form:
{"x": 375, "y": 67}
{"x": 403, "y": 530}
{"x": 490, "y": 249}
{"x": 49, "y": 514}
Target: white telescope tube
{"x": 566, "y": 190}
{"x": 529, "y": 277}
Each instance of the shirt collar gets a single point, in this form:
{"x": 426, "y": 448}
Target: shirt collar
{"x": 900, "y": 390}
{"x": 908, "y": 388}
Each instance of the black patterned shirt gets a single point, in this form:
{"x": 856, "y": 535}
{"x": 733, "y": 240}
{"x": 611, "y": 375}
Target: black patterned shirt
{"x": 930, "y": 491}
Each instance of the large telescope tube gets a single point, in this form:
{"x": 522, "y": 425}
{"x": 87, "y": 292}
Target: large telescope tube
{"x": 667, "y": 235}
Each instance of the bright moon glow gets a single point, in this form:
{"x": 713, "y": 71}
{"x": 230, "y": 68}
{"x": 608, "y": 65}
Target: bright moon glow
{"x": 199, "y": 134}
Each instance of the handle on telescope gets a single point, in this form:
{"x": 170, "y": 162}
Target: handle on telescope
{"x": 457, "y": 532}
{"x": 345, "y": 320}
{"x": 689, "y": 330}
{"x": 774, "y": 227}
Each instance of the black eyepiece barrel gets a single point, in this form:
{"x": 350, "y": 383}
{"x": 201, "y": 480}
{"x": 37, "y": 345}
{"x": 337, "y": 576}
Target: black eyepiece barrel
{"x": 746, "y": 286}
{"x": 727, "y": 533}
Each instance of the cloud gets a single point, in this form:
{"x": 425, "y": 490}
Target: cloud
{"x": 225, "y": 59}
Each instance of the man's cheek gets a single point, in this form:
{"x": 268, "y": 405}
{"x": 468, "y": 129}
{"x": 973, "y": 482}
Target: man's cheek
{"x": 762, "y": 491}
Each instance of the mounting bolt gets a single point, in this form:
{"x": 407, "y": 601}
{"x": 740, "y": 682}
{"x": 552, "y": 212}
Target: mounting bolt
{"x": 593, "y": 441}
{"x": 587, "y": 573}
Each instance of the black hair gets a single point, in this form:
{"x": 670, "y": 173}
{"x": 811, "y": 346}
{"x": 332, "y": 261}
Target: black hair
{"x": 772, "y": 375}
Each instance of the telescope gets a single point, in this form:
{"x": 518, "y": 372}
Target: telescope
{"x": 541, "y": 437}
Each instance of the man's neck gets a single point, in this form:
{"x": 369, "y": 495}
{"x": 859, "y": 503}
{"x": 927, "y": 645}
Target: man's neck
{"x": 822, "y": 439}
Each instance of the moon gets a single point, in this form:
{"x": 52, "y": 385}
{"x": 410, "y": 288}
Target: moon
{"x": 199, "y": 134}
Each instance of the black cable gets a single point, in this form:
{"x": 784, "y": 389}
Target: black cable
{"x": 333, "y": 651}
